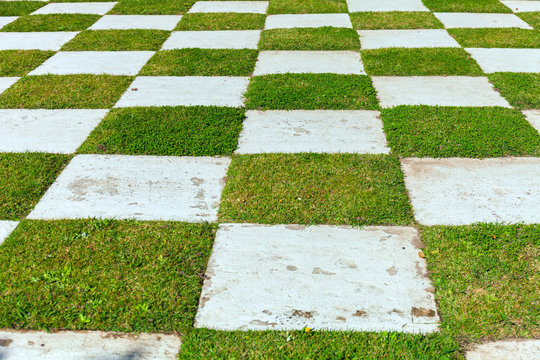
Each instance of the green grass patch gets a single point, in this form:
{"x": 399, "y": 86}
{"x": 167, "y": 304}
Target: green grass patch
{"x": 201, "y": 62}
{"x": 221, "y": 21}
{"x": 172, "y": 131}
{"x": 395, "y": 20}
{"x": 532, "y": 18}
{"x": 419, "y": 62}
{"x": 310, "y": 92}
{"x": 477, "y": 6}
{"x": 103, "y": 275}
{"x": 315, "y": 189}
{"x": 307, "y": 6}
{"x": 496, "y": 38}
{"x": 52, "y": 22}
{"x": 425, "y": 131}
{"x": 325, "y": 38}
{"x": 117, "y": 40}
{"x": 152, "y": 7}
{"x": 25, "y": 178}
{"x": 21, "y": 62}
{"x": 65, "y": 92}
{"x": 486, "y": 279}
{"x": 522, "y": 90}
{"x": 19, "y": 8}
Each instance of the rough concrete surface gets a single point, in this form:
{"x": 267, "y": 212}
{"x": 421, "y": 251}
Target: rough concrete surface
{"x": 35, "y": 40}
{"x": 6, "y": 227}
{"x": 521, "y": 349}
{"x": 378, "y": 39}
{"x": 98, "y": 8}
{"x": 125, "y": 22}
{"x": 475, "y": 20}
{"x": 216, "y": 39}
{"x": 533, "y": 116}
{"x": 507, "y": 60}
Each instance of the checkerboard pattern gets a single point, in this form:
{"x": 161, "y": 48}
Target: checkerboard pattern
{"x": 166, "y": 117}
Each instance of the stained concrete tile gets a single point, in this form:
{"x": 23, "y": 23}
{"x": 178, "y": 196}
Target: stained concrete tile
{"x": 385, "y": 5}
{"x": 4, "y": 20}
{"x": 465, "y": 191}
{"x": 125, "y": 22}
{"x": 53, "y": 131}
{"x": 436, "y": 90}
{"x": 6, "y": 82}
{"x": 85, "y": 345}
{"x": 520, "y": 349}
{"x": 255, "y": 7}
{"x": 185, "y": 90}
{"x": 506, "y": 60}
{"x": 136, "y": 187}
{"x": 6, "y": 227}
{"x": 98, "y": 8}
{"x": 289, "y": 21}
{"x": 316, "y": 62}
{"x": 533, "y": 116}
{"x": 338, "y": 278}
{"x": 35, "y": 40}
{"x": 523, "y": 6}
{"x": 379, "y": 39}
{"x": 217, "y": 39}
{"x": 475, "y": 20}
{"x": 320, "y": 131}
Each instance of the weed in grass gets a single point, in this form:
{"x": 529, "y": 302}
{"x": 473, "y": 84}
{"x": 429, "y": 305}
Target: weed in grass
{"x": 522, "y": 90}
{"x": 496, "y": 38}
{"x": 117, "y": 40}
{"x": 21, "y": 62}
{"x": 52, "y": 22}
{"x": 325, "y": 38}
{"x": 307, "y": 6}
{"x": 221, "y": 21}
{"x": 395, "y": 20}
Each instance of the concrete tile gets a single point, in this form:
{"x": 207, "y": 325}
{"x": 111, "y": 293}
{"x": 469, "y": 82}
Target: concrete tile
{"x": 436, "y": 91}
{"x": 6, "y": 82}
{"x": 98, "y": 8}
{"x": 533, "y": 117}
{"x": 35, "y": 40}
{"x": 255, "y": 7}
{"x": 320, "y": 131}
{"x": 475, "y": 20}
{"x": 506, "y": 60}
{"x": 218, "y": 39}
{"x": 277, "y": 277}
{"x": 465, "y": 191}
{"x": 94, "y": 62}
{"x": 379, "y": 39}
{"x": 185, "y": 90}
{"x": 523, "y": 6}
{"x": 520, "y": 349}
{"x": 289, "y": 21}
{"x": 6, "y": 227}
{"x": 4, "y": 20}
{"x": 136, "y": 187}
{"x": 125, "y": 22}
{"x": 85, "y": 345}
{"x": 315, "y": 62}
{"x": 385, "y": 5}
{"x": 52, "y": 131}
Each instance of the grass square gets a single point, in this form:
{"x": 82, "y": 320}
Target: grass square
{"x": 117, "y": 40}
{"x": 425, "y": 131}
{"x": 395, "y": 20}
{"x": 345, "y": 189}
{"x": 476, "y": 6}
{"x": 201, "y": 62}
{"x": 52, "y": 22}
{"x": 419, "y": 62}
{"x": 324, "y": 38}
{"x": 103, "y": 275}
{"x": 21, "y": 62}
{"x": 65, "y": 92}
{"x": 496, "y": 38}
{"x": 18, "y": 8}
{"x": 25, "y": 178}
{"x": 168, "y": 131}
{"x": 486, "y": 279}
{"x": 307, "y": 6}
{"x": 221, "y": 21}
{"x": 152, "y": 7}
{"x": 532, "y": 18}
{"x": 522, "y": 90}
{"x": 311, "y": 92}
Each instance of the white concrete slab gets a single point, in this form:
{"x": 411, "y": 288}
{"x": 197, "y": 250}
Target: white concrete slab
{"x": 523, "y": 6}
{"x": 379, "y": 39}
{"x": 277, "y": 277}
{"x": 289, "y": 21}
{"x": 436, "y": 90}
{"x": 315, "y": 62}
{"x": 125, "y": 22}
{"x": 477, "y": 20}
{"x": 52, "y": 131}
{"x": 533, "y": 117}
{"x": 98, "y": 8}
{"x": 217, "y": 39}
{"x": 185, "y": 90}
{"x": 136, "y": 187}
{"x": 94, "y": 62}
{"x": 520, "y": 349}
{"x": 465, "y": 191}
{"x": 254, "y": 7}
{"x": 86, "y": 345}
{"x": 6, "y": 82}
{"x": 4, "y": 20}
{"x": 506, "y": 60}
{"x": 385, "y": 5}
{"x": 320, "y": 131}
{"x": 35, "y": 40}
{"x": 6, "y": 227}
